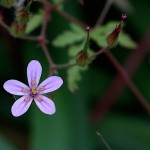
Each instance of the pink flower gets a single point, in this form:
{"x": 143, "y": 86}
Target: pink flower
{"x": 33, "y": 91}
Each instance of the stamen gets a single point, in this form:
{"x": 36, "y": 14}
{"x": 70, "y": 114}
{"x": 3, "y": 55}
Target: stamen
{"x": 33, "y": 82}
{"x": 34, "y": 90}
{"x": 24, "y": 90}
{"x": 42, "y": 88}
{"x": 27, "y": 99}
{"x": 39, "y": 99}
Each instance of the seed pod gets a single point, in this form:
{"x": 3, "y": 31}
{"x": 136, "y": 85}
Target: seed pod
{"x": 112, "y": 38}
{"x": 82, "y": 58}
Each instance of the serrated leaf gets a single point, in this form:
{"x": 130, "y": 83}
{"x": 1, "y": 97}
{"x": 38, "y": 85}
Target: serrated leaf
{"x": 73, "y": 50}
{"x": 69, "y": 37}
{"x": 74, "y": 73}
{"x": 34, "y": 21}
{"x": 74, "y": 76}
{"x": 77, "y": 28}
{"x": 126, "y": 41}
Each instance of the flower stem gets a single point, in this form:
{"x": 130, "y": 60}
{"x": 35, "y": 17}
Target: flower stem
{"x": 48, "y": 56}
{"x": 67, "y": 65}
{"x": 70, "y": 18}
{"x": 102, "y": 50}
{"x": 129, "y": 82}
{"x": 103, "y": 140}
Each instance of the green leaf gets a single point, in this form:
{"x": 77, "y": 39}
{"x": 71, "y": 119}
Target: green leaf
{"x": 76, "y": 34}
{"x": 34, "y": 21}
{"x": 74, "y": 76}
{"x": 126, "y": 41}
{"x": 73, "y": 50}
{"x": 74, "y": 73}
{"x": 67, "y": 38}
{"x": 77, "y": 28}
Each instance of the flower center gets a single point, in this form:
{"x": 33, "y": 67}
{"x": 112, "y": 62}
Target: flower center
{"x": 34, "y": 90}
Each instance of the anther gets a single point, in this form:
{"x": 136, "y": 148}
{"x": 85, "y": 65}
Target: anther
{"x": 33, "y": 82}
{"x": 24, "y": 90}
{"x": 39, "y": 99}
{"x": 27, "y": 99}
{"x": 42, "y": 88}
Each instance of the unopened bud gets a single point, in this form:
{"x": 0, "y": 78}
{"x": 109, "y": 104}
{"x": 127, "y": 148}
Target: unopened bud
{"x": 82, "y": 58}
{"x": 113, "y": 36}
{"x": 7, "y": 3}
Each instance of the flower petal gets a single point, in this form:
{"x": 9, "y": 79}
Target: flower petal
{"x": 15, "y": 87}
{"x": 50, "y": 84}
{"x": 21, "y": 106}
{"x": 34, "y": 71}
{"x": 45, "y": 104}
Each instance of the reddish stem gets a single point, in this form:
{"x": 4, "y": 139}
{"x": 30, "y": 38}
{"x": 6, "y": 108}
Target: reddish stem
{"x": 116, "y": 87}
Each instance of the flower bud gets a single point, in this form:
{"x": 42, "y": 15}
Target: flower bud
{"x": 82, "y": 58}
{"x": 113, "y": 36}
{"x": 7, "y": 3}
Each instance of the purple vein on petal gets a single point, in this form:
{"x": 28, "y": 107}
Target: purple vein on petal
{"x": 20, "y": 106}
{"x": 51, "y": 84}
{"x": 15, "y": 87}
{"x": 47, "y": 106}
{"x": 34, "y": 71}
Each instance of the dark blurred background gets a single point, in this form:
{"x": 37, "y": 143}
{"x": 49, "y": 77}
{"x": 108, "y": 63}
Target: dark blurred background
{"x": 121, "y": 119}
